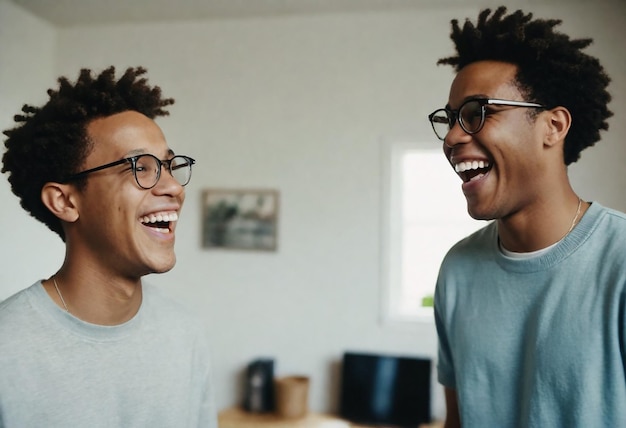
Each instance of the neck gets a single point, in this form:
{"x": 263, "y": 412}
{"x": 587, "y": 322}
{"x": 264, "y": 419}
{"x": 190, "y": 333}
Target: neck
{"x": 541, "y": 225}
{"x": 97, "y": 300}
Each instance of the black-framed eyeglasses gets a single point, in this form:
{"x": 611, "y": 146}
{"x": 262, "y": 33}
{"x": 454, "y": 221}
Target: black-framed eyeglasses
{"x": 471, "y": 115}
{"x": 147, "y": 169}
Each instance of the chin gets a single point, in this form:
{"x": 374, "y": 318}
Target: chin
{"x": 482, "y": 217}
{"x": 477, "y": 214}
{"x": 163, "y": 270}
{"x": 162, "y": 266}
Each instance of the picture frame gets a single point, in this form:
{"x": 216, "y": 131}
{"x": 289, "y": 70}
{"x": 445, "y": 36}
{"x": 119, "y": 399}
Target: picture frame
{"x": 242, "y": 219}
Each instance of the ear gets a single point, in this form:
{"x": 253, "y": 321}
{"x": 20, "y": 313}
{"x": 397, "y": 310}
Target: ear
{"x": 59, "y": 199}
{"x": 558, "y": 121}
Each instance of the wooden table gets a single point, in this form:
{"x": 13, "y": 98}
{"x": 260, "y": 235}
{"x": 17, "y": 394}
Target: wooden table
{"x": 239, "y": 418}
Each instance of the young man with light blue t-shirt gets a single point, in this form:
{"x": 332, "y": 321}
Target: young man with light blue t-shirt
{"x": 531, "y": 309}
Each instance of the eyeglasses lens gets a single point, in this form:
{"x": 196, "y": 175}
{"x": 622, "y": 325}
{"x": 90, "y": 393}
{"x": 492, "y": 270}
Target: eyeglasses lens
{"x": 181, "y": 169}
{"x": 471, "y": 116}
{"x": 148, "y": 170}
{"x": 442, "y": 122}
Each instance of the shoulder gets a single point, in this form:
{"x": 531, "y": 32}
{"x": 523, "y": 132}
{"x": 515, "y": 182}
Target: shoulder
{"x": 600, "y": 212}
{"x": 22, "y": 322}
{"x": 157, "y": 299}
{"x": 484, "y": 239}
{"x": 18, "y": 304}
{"x": 617, "y": 218}
{"x": 608, "y": 225}
{"x": 170, "y": 315}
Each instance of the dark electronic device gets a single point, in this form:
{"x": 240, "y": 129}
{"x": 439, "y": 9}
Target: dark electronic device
{"x": 385, "y": 390}
{"x": 259, "y": 387}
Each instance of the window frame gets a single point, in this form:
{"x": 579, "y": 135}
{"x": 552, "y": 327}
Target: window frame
{"x": 393, "y": 152}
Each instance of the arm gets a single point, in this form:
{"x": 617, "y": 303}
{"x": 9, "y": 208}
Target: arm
{"x": 453, "y": 420}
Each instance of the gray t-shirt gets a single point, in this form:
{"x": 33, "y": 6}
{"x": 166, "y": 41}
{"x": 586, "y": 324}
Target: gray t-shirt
{"x": 59, "y": 371}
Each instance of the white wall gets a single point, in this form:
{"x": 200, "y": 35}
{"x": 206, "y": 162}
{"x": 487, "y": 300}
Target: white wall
{"x": 299, "y": 104}
{"x": 28, "y": 251}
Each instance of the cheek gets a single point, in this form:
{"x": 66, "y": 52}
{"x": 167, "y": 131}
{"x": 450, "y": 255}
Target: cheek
{"x": 115, "y": 208}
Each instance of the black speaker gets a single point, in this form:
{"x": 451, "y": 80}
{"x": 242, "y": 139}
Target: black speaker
{"x": 259, "y": 387}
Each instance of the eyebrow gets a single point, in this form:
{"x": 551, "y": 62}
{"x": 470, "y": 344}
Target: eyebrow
{"x": 137, "y": 152}
{"x": 470, "y": 97}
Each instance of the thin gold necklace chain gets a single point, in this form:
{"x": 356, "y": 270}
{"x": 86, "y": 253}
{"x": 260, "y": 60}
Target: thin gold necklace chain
{"x": 54, "y": 280}
{"x": 580, "y": 203}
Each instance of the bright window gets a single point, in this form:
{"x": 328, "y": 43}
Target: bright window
{"x": 425, "y": 214}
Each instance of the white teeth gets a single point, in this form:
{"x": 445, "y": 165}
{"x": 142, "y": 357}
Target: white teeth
{"x": 466, "y": 166}
{"x": 153, "y": 218}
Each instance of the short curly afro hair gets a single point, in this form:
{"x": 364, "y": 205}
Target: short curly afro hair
{"x": 552, "y": 69}
{"x": 50, "y": 142}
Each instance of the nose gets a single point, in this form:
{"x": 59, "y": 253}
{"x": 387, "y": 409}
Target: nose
{"x": 167, "y": 184}
{"x": 456, "y": 135}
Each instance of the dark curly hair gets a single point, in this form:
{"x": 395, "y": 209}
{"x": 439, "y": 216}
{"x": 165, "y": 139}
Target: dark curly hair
{"x": 50, "y": 143}
{"x": 552, "y": 69}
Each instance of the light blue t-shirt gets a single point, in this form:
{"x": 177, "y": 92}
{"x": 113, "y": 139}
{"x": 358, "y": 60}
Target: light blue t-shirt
{"x": 537, "y": 342}
{"x": 57, "y": 371}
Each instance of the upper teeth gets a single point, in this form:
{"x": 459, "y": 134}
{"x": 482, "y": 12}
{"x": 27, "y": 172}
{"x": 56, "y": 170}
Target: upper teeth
{"x": 466, "y": 166}
{"x": 153, "y": 218}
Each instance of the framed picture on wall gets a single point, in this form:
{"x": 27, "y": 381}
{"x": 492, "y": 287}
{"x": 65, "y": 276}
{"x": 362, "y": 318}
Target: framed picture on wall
{"x": 244, "y": 219}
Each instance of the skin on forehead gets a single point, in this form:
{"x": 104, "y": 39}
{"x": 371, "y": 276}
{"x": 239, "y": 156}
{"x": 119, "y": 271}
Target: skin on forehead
{"x": 484, "y": 79}
{"x": 124, "y": 135}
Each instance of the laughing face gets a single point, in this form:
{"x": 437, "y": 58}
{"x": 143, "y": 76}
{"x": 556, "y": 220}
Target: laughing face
{"x": 123, "y": 228}
{"x": 501, "y": 166}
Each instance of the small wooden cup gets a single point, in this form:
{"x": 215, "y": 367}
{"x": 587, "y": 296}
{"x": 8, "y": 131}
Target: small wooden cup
{"x": 291, "y": 396}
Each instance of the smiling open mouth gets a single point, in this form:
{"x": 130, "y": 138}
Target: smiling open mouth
{"x": 160, "y": 221}
{"x": 472, "y": 170}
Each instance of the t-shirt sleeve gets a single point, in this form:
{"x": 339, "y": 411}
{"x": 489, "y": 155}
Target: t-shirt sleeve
{"x": 207, "y": 409}
{"x": 445, "y": 363}
{"x": 208, "y": 413}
